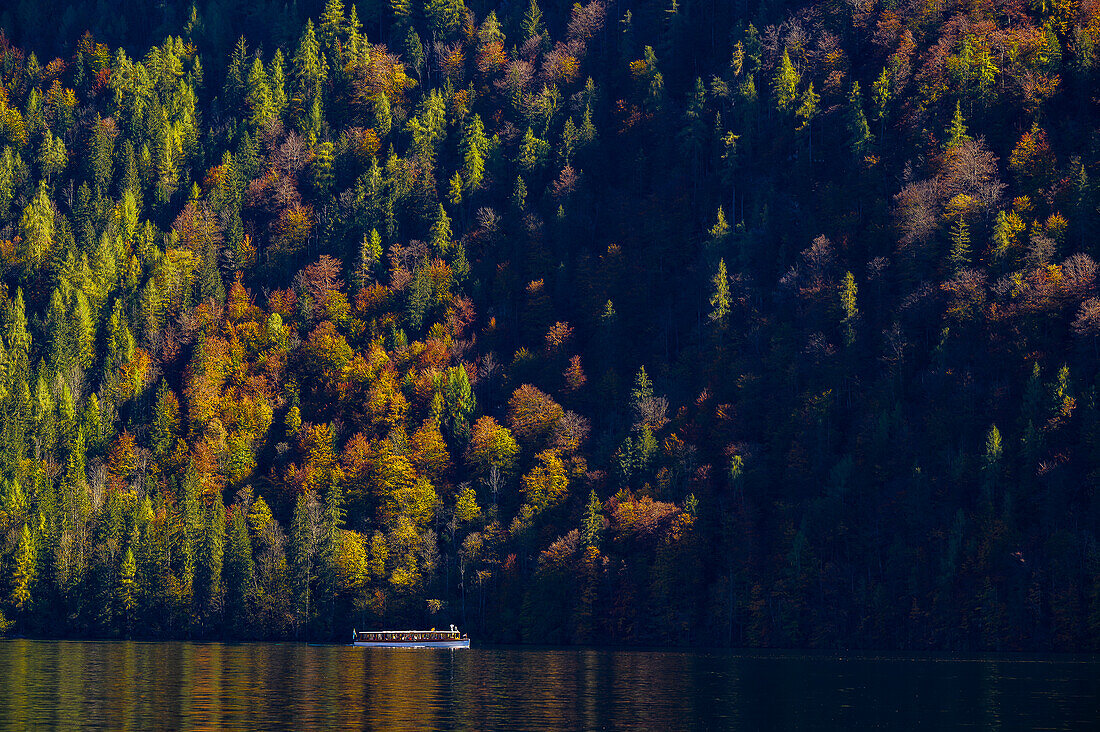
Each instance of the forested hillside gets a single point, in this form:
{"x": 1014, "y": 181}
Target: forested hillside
{"x": 671, "y": 321}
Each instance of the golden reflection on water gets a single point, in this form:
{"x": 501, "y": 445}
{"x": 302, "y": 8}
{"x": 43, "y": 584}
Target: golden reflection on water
{"x": 136, "y": 686}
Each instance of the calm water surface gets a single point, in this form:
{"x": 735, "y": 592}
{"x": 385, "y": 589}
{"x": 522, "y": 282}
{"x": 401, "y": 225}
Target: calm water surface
{"x": 70, "y": 685}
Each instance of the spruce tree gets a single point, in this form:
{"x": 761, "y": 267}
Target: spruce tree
{"x": 308, "y": 72}
{"x": 859, "y": 133}
{"x": 239, "y": 575}
{"x": 441, "y": 231}
{"x": 720, "y": 296}
{"x": 209, "y": 561}
{"x": 593, "y": 521}
{"x": 383, "y": 118}
{"x": 806, "y": 113}
{"x": 236, "y": 75}
{"x": 474, "y": 146}
{"x": 532, "y": 24}
{"x": 959, "y": 257}
{"x": 328, "y": 552}
{"x": 126, "y": 593}
{"x": 300, "y": 556}
{"x": 848, "y": 306}
{"x": 444, "y": 17}
{"x": 258, "y": 98}
{"x": 785, "y": 85}
{"x": 956, "y": 131}
{"x": 331, "y": 28}
{"x": 24, "y": 570}
{"x": 276, "y": 81}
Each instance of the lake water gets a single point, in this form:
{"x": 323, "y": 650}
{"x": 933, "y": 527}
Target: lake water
{"x": 123, "y": 685}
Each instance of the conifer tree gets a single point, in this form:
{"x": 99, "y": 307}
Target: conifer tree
{"x": 519, "y": 194}
{"x": 655, "y": 89}
{"x": 52, "y": 156}
{"x": 444, "y": 17}
{"x": 460, "y": 266}
{"x": 321, "y": 173}
{"x": 331, "y": 29}
{"x": 276, "y": 81}
{"x": 329, "y": 549}
{"x": 785, "y": 85}
{"x": 91, "y": 424}
{"x": 37, "y": 229}
{"x": 83, "y": 329}
{"x": 956, "y": 131}
{"x": 441, "y": 231}
{"x": 460, "y": 403}
{"x": 532, "y": 152}
{"x": 300, "y": 556}
{"x": 236, "y": 75}
{"x": 720, "y": 297}
{"x": 414, "y": 50}
{"x": 209, "y": 560}
{"x": 593, "y": 521}
{"x": 474, "y": 146}
{"x": 239, "y": 573}
{"x": 25, "y": 570}
{"x": 309, "y": 72}
{"x": 102, "y": 153}
{"x": 881, "y": 96}
{"x": 859, "y": 133}
{"x": 403, "y": 14}
{"x": 991, "y": 466}
{"x": 693, "y": 135}
{"x": 806, "y": 113}
{"x": 370, "y": 254}
{"x": 454, "y": 190}
{"x": 848, "y": 306}
{"x": 532, "y": 24}
{"x": 383, "y": 116}
{"x": 258, "y": 98}
{"x": 959, "y": 257}
{"x": 127, "y": 588}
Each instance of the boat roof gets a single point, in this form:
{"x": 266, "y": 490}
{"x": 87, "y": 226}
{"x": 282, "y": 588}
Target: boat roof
{"x": 409, "y": 631}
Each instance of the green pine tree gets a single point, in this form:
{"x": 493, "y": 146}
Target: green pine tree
{"x": 593, "y": 521}
{"x": 474, "y": 146}
{"x": 785, "y": 85}
{"x": 239, "y": 575}
{"x": 956, "y": 131}
{"x": 848, "y": 296}
{"x": 859, "y": 133}
{"x": 720, "y": 296}
{"x": 258, "y": 98}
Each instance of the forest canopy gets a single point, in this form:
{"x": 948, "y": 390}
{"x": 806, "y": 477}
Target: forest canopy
{"x": 623, "y": 321}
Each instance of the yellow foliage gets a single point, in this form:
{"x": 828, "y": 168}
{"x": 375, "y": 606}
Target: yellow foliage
{"x": 379, "y": 553}
{"x": 960, "y": 206}
{"x": 386, "y": 404}
{"x": 491, "y": 445}
{"x": 353, "y": 568}
{"x": 429, "y": 451}
{"x": 546, "y": 484}
{"x": 1056, "y": 225}
{"x": 466, "y": 508}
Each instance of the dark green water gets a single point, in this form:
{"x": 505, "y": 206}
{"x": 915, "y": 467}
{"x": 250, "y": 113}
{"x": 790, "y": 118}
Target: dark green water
{"x": 70, "y": 685}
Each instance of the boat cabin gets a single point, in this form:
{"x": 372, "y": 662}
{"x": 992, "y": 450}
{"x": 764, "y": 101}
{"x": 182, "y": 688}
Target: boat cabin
{"x": 406, "y": 636}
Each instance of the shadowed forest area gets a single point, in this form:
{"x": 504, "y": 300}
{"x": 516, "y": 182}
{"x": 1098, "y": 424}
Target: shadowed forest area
{"x": 708, "y": 322}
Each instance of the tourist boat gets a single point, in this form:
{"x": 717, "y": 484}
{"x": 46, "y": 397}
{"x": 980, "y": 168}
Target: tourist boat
{"x": 410, "y": 638}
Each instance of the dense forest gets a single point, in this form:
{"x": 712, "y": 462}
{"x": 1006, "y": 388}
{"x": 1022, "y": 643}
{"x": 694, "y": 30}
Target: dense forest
{"x": 654, "y": 321}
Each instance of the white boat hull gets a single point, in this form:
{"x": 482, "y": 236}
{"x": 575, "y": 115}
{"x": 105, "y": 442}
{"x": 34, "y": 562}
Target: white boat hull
{"x": 464, "y": 643}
